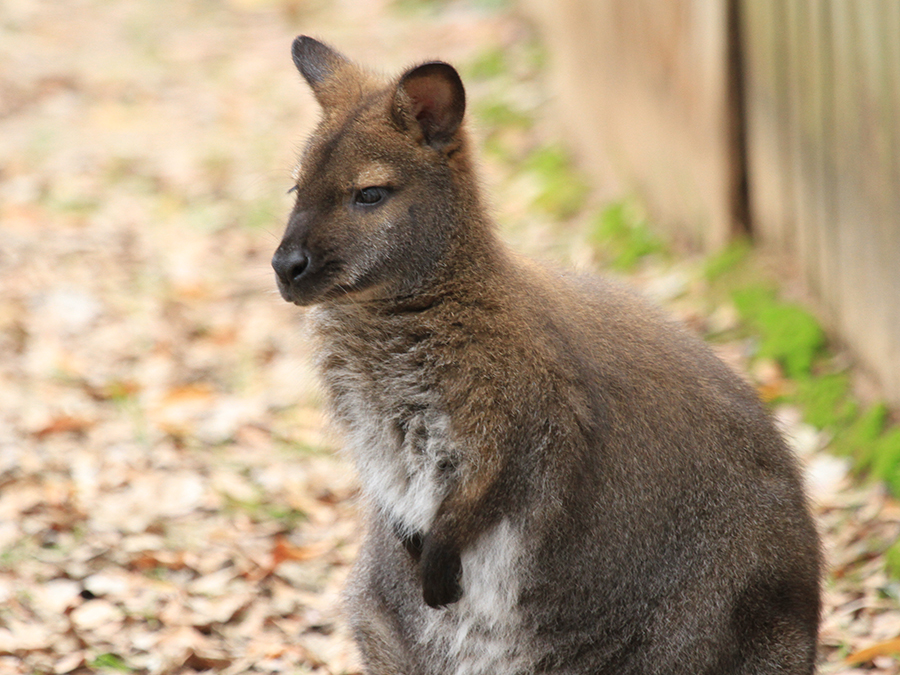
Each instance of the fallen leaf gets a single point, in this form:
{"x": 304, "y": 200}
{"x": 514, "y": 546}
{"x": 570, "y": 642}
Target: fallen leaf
{"x": 284, "y": 550}
{"x": 62, "y": 424}
{"x": 149, "y": 560}
{"x": 200, "y": 661}
{"x": 96, "y": 614}
{"x": 886, "y": 648}
{"x": 69, "y": 663}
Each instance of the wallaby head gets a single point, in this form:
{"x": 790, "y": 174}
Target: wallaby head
{"x": 382, "y": 186}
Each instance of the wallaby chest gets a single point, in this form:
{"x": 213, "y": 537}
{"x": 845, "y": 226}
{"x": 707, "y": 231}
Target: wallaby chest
{"x": 383, "y": 396}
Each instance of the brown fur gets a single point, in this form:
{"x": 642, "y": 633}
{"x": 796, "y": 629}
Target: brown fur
{"x": 559, "y": 479}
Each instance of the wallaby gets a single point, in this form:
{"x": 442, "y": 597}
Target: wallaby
{"x": 556, "y": 478}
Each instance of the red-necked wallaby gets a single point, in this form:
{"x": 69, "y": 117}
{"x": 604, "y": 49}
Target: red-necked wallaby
{"x": 557, "y": 479}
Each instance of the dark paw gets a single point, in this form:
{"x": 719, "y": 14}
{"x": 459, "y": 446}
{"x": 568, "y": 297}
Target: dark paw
{"x": 413, "y": 545}
{"x": 441, "y": 574}
{"x": 411, "y": 542}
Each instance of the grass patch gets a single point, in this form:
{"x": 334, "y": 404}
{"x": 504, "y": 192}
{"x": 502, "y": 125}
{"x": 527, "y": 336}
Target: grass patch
{"x": 110, "y": 662}
{"x": 76, "y": 207}
{"x": 892, "y": 559}
{"x": 262, "y": 213}
{"x": 563, "y": 191}
{"x": 720, "y": 267}
{"x": 487, "y": 65}
{"x": 791, "y": 336}
{"x": 788, "y": 333}
{"x": 264, "y": 511}
{"x": 418, "y": 6}
{"x": 826, "y": 400}
{"x": 288, "y": 517}
{"x": 623, "y": 237}
{"x": 496, "y": 114}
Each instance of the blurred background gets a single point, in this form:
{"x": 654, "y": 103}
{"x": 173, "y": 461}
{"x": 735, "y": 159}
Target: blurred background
{"x": 170, "y": 499}
{"x": 773, "y": 118}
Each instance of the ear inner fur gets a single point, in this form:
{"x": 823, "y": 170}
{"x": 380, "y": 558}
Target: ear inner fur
{"x": 434, "y": 96}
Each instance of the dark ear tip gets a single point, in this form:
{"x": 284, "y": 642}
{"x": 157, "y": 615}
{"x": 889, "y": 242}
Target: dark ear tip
{"x": 303, "y": 45}
{"x": 434, "y": 69}
{"x": 304, "y": 42}
{"x": 315, "y": 60}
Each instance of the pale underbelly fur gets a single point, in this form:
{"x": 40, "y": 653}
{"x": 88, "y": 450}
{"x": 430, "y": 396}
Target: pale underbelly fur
{"x": 479, "y": 634}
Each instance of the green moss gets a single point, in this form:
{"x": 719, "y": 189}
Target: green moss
{"x": 789, "y": 334}
{"x": 892, "y": 559}
{"x": 487, "y": 65}
{"x": 825, "y": 400}
{"x": 563, "y": 190}
{"x": 623, "y": 237}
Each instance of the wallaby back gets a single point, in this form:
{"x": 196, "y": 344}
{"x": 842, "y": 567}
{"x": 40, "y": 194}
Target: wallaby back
{"x": 557, "y": 478}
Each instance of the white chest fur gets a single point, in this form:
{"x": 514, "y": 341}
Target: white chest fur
{"x": 480, "y": 635}
{"x": 403, "y": 465}
{"x": 408, "y": 457}
{"x": 395, "y": 431}
{"x": 400, "y": 442}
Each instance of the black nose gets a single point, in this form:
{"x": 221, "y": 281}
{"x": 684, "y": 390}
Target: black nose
{"x": 290, "y": 264}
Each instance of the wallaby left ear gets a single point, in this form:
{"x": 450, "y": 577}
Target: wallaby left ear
{"x": 318, "y": 63}
{"x": 433, "y": 95}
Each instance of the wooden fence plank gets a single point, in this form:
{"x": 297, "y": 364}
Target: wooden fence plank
{"x": 847, "y": 161}
{"x": 645, "y": 96}
{"x": 824, "y": 180}
{"x": 875, "y": 190}
{"x": 643, "y": 92}
{"x": 802, "y": 113}
{"x": 889, "y": 244}
{"x": 783, "y": 226}
{"x": 757, "y": 23}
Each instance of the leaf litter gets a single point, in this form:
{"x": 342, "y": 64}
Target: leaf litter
{"x": 169, "y": 499}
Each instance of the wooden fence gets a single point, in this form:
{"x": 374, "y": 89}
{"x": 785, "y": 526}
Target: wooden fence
{"x": 777, "y": 117}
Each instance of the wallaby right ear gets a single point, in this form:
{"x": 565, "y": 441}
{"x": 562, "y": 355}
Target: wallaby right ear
{"x": 318, "y": 63}
{"x": 431, "y": 95}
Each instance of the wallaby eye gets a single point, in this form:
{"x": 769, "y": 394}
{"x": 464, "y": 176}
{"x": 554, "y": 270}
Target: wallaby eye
{"x": 293, "y": 189}
{"x": 370, "y": 196}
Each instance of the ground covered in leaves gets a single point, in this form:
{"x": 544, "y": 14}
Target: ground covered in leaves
{"x": 169, "y": 501}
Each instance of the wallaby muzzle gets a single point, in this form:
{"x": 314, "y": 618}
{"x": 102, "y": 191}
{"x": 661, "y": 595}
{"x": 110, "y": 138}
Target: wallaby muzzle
{"x": 294, "y": 262}
{"x": 290, "y": 264}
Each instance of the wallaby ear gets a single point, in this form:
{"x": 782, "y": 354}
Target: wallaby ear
{"x": 318, "y": 63}
{"x": 433, "y": 95}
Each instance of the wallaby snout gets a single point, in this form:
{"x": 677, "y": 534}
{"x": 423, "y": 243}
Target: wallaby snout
{"x": 290, "y": 264}
{"x": 294, "y": 263}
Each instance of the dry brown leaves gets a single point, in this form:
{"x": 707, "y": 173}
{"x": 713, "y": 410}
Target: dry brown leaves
{"x": 168, "y": 501}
